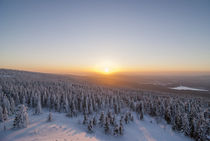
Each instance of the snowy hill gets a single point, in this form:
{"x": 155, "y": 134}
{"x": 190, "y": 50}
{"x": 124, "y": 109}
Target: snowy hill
{"x": 63, "y": 128}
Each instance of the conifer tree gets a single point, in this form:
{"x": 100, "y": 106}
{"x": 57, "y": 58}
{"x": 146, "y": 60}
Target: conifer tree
{"x": 106, "y": 126}
{"x": 1, "y": 115}
{"x": 94, "y": 121}
{"x": 12, "y": 103}
{"x": 50, "y": 117}
{"x": 21, "y": 118}
{"x": 85, "y": 120}
{"x": 5, "y": 114}
{"x": 116, "y": 130}
{"x": 121, "y": 128}
{"x": 38, "y": 109}
{"x": 101, "y": 119}
{"x": 6, "y": 104}
{"x": 90, "y": 126}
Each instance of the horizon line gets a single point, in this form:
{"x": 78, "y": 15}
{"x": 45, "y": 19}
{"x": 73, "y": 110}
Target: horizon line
{"x": 129, "y": 73}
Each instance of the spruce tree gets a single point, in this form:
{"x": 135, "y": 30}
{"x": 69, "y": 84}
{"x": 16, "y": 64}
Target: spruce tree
{"x": 49, "y": 117}
{"x": 106, "y": 126}
{"x": 85, "y": 120}
{"x": 90, "y": 126}
{"x": 21, "y": 118}
{"x": 121, "y": 128}
{"x": 38, "y": 109}
{"x": 12, "y": 103}
{"x": 5, "y": 114}
{"x": 94, "y": 121}
{"x": 1, "y": 115}
{"x": 116, "y": 130}
{"x": 101, "y": 119}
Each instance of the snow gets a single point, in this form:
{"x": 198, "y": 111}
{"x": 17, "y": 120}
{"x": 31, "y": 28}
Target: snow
{"x": 63, "y": 128}
{"x": 187, "y": 88}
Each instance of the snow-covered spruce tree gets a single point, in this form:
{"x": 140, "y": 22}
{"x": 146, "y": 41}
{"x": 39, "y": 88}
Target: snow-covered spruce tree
{"x": 17, "y": 99}
{"x": 192, "y": 126}
{"x": 12, "y": 103}
{"x": 121, "y": 128}
{"x": 106, "y": 126}
{"x": 177, "y": 124}
{"x": 85, "y": 105}
{"x": 90, "y": 107}
{"x": 30, "y": 102}
{"x": 85, "y": 119}
{"x": 131, "y": 118}
{"x": 139, "y": 109}
{"x": 38, "y": 109}
{"x": 50, "y": 117}
{"x": 112, "y": 121}
{"x": 21, "y": 117}
{"x": 72, "y": 112}
{"x": 126, "y": 118}
{"x": 168, "y": 115}
{"x": 90, "y": 126}
{"x": 57, "y": 105}
{"x": 5, "y": 128}
{"x": 66, "y": 105}
{"x": 201, "y": 131}
{"x": 23, "y": 100}
{"x": 109, "y": 114}
{"x": 49, "y": 101}
{"x": 141, "y": 115}
{"x": 94, "y": 121}
{"x": 115, "y": 108}
{"x": 1, "y": 115}
{"x": 116, "y": 130}
{"x": 101, "y": 119}
{"x": 185, "y": 125}
{"x": 6, "y": 104}
{"x": 5, "y": 114}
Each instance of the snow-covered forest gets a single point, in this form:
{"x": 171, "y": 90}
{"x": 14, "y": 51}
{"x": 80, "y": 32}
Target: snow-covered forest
{"x": 110, "y": 109}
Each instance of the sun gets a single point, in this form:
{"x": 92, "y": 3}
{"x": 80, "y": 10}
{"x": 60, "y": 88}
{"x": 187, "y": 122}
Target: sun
{"x": 106, "y": 70}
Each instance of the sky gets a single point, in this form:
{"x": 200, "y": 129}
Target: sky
{"x": 66, "y": 36}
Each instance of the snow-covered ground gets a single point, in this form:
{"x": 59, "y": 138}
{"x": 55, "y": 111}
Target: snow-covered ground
{"x": 63, "y": 128}
{"x": 187, "y": 88}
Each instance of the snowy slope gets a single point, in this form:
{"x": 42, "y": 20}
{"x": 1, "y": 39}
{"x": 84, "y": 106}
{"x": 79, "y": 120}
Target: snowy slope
{"x": 63, "y": 128}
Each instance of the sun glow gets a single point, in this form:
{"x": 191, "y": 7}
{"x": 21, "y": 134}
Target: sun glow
{"x": 106, "y": 70}
{"x": 106, "y": 67}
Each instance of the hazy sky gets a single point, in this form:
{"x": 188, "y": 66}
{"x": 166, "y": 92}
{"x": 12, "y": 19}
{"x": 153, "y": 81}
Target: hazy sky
{"x": 123, "y": 35}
